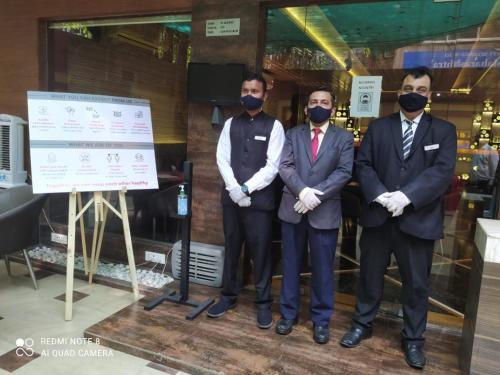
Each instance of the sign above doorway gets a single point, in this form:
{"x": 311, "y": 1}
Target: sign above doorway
{"x": 223, "y": 27}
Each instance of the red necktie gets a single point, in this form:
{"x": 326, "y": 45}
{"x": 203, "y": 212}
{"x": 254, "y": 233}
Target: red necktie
{"x": 315, "y": 143}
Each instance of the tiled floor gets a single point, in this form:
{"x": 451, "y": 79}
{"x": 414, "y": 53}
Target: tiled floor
{"x": 37, "y": 315}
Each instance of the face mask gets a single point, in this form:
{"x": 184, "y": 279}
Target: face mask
{"x": 318, "y": 114}
{"x": 412, "y": 102}
{"x": 251, "y": 102}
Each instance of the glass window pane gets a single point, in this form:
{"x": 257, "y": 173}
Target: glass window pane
{"x": 139, "y": 57}
{"x": 329, "y": 44}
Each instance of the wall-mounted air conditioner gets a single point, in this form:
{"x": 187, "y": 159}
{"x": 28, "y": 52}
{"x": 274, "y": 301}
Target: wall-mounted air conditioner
{"x": 12, "y": 171}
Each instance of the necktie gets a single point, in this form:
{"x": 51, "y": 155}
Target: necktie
{"x": 315, "y": 143}
{"x": 407, "y": 138}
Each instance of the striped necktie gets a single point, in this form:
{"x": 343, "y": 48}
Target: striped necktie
{"x": 407, "y": 138}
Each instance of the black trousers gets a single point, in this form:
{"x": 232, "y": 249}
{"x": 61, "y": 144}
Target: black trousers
{"x": 245, "y": 224}
{"x": 414, "y": 258}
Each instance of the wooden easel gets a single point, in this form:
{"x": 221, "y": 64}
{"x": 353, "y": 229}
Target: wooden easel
{"x": 101, "y": 206}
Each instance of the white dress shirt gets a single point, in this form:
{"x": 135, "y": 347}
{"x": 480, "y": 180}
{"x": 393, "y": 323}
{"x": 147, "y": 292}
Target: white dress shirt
{"x": 264, "y": 176}
{"x": 414, "y": 122}
{"x": 321, "y": 134}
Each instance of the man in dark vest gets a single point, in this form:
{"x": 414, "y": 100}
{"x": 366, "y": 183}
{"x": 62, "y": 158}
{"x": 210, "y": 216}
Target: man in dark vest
{"x": 248, "y": 156}
{"x": 405, "y": 164}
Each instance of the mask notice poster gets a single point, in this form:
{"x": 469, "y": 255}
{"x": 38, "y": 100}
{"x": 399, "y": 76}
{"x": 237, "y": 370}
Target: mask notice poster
{"x": 90, "y": 143}
{"x": 365, "y": 96}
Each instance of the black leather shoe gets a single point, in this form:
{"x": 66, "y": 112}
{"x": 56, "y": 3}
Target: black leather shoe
{"x": 220, "y": 308}
{"x": 354, "y": 336}
{"x": 285, "y": 326}
{"x": 264, "y": 318}
{"x": 321, "y": 334}
{"x": 414, "y": 355}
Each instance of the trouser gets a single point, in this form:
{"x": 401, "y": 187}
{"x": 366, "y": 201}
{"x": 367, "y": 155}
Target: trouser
{"x": 414, "y": 258}
{"x": 254, "y": 227}
{"x": 322, "y": 243}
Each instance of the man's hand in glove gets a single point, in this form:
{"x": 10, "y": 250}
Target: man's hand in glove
{"x": 383, "y": 199}
{"x": 245, "y": 202}
{"x": 397, "y": 203}
{"x": 299, "y": 207}
{"x": 236, "y": 194}
{"x": 309, "y": 199}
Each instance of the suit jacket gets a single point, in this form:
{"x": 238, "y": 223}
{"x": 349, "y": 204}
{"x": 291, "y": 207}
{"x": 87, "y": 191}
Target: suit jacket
{"x": 329, "y": 173}
{"x": 423, "y": 177}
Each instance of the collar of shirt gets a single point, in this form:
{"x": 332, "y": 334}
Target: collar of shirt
{"x": 414, "y": 122}
{"x": 323, "y": 128}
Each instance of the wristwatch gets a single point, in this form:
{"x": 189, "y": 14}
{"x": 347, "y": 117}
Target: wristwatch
{"x": 244, "y": 189}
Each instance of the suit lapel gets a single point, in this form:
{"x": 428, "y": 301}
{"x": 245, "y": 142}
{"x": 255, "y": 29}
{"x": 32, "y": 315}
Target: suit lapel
{"x": 306, "y": 141}
{"x": 327, "y": 139}
{"x": 397, "y": 134}
{"x": 423, "y": 127}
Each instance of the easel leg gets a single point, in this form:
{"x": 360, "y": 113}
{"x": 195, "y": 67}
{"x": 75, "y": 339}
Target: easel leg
{"x": 82, "y": 234}
{"x": 97, "y": 219}
{"x": 101, "y": 233}
{"x": 70, "y": 265}
{"x": 128, "y": 243}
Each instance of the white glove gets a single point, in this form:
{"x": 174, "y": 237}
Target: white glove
{"x": 382, "y": 199}
{"x": 397, "y": 202}
{"x": 245, "y": 202}
{"x": 236, "y": 194}
{"x": 299, "y": 207}
{"x": 309, "y": 198}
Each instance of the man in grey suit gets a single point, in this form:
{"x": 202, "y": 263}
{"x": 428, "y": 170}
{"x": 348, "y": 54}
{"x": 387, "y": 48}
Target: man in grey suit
{"x": 316, "y": 163}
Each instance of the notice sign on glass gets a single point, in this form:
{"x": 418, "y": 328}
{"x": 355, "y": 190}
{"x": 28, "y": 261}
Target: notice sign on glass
{"x": 365, "y": 96}
{"x": 90, "y": 143}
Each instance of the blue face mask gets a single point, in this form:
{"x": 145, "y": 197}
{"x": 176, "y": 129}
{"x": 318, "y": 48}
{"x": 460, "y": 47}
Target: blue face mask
{"x": 318, "y": 114}
{"x": 251, "y": 102}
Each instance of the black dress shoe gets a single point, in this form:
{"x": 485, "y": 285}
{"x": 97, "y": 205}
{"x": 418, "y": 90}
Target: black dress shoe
{"x": 220, "y": 308}
{"x": 285, "y": 326}
{"x": 321, "y": 334}
{"x": 264, "y": 318}
{"x": 414, "y": 355}
{"x": 354, "y": 336}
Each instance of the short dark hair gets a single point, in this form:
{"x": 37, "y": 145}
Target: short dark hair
{"x": 325, "y": 88}
{"x": 417, "y": 72}
{"x": 256, "y": 77}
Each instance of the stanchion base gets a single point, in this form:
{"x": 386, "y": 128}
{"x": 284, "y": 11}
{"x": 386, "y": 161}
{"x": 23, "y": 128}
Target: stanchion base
{"x": 173, "y": 297}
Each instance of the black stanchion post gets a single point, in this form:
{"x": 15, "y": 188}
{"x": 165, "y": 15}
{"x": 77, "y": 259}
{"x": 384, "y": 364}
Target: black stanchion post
{"x": 182, "y": 297}
{"x": 186, "y": 233}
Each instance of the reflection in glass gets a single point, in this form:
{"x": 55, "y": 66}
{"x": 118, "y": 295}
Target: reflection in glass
{"x": 328, "y": 44}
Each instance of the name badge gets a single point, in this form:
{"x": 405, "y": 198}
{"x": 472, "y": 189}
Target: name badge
{"x": 431, "y": 147}
{"x": 260, "y": 138}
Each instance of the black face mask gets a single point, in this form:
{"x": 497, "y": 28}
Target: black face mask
{"x": 251, "y": 102}
{"x": 318, "y": 114}
{"x": 412, "y": 102}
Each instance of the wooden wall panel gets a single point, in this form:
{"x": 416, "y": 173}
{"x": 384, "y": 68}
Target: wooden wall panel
{"x": 20, "y": 39}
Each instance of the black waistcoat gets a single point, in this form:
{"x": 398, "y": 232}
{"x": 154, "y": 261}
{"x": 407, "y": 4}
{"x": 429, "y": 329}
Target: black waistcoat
{"x": 249, "y": 143}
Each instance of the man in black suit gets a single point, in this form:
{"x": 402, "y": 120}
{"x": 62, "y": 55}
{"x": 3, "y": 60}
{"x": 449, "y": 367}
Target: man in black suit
{"x": 404, "y": 166}
{"x": 316, "y": 163}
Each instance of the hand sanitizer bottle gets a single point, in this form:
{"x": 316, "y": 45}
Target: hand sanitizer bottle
{"x": 182, "y": 202}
